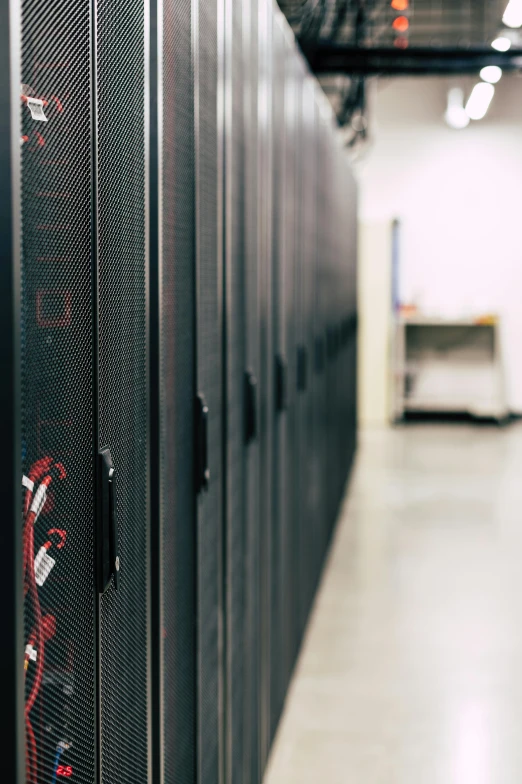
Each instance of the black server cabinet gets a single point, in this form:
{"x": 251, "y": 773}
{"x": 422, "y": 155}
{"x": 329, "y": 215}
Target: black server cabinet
{"x": 174, "y": 566}
{"x": 301, "y": 362}
{"x": 264, "y": 218}
{"x": 309, "y": 490}
{"x": 123, "y": 379}
{"x": 84, "y": 382}
{"x": 240, "y": 425}
{"x": 321, "y": 312}
{"x": 250, "y": 25}
{"x": 290, "y": 217}
{"x": 208, "y": 86}
{"x": 279, "y": 380}
{"x": 57, "y": 390}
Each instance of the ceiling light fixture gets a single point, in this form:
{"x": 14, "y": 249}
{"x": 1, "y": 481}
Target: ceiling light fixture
{"x": 513, "y": 14}
{"x": 479, "y": 100}
{"x": 501, "y": 44}
{"x": 491, "y": 74}
{"x": 456, "y": 115}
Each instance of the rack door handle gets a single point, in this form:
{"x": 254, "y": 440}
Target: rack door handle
{"x": 202, "y": 470}
{"x": 250, "y": 386}
{"x": 302, "y": 368}
{"x": 109, "y": 559}
{"x": 280, "y": 384}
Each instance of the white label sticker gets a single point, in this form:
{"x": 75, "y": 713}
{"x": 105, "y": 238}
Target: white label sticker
{"x": 27, "y": 483}
{"x": 33, "y": 655}
{"x": 43, "y": 563}
{"x": 36, "y": 108}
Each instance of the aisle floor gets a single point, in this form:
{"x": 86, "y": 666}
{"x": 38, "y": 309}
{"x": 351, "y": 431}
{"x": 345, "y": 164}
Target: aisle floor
{"x": 411, "y": 671}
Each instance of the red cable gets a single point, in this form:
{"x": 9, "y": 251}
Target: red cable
{"x": 40, "y": 645}
{"x": 31, "y": 753}
{"x": 38, "y": 469}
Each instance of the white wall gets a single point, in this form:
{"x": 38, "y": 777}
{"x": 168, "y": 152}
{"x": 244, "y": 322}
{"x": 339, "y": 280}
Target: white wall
{"x": 458, "y": 195}
{"x": 374, "y": 298}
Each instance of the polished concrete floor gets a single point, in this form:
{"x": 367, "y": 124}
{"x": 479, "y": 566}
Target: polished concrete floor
{"x": 411, "y": 671}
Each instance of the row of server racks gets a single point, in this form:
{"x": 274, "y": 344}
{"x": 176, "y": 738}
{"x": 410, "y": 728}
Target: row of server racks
{"x": 178, "y": 353}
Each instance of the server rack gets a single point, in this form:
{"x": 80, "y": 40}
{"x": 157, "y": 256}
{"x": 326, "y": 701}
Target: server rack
{"x": 250, "y": 15}
{"x": 123, "y": 380}
{"x": 58, "y": 395}
{"x": 175, "y": 475}
{"x": 290, "y": 212}
{"x": 264, "y": 218}
{"x": 208, "y": 54}
{"x": 240, "y": 425}
{"x": 278, "y": 397}
{"x": 174, "y": 251}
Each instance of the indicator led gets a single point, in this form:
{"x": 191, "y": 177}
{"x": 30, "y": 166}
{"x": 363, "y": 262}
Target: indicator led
{"x": 401, "y": 24}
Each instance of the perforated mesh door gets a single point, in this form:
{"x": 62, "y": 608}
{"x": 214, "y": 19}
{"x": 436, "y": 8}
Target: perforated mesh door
{"x": 290, "y": 260}
{"x": 252, "y": 593}
{"x": 310, "y": 489}
{"x": 234, "y": 223}
{"x": 278, "y": 468}
{"x": 123, "y": 380}
{"x": 209, "y": 384}
{"x": 299, "y": 515}
{"x": 266, "y": 354}
{"x": 177, "y": 347}
{"x": 57, "y": 389}
{"x": 323, "y": 240}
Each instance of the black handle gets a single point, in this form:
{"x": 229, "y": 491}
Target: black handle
{"x": 250, "y": 390}
{"x": 319, "y": 355}
{"x": 109, "y": 560}
{"x": 202, "y": 471}
{"x": 302, "y": 368}
{"x": 113, "y": 533}
{"x": 280, "y": 384}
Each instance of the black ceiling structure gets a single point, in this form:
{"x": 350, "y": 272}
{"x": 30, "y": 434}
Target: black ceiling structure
{"x": 348, "y": 41}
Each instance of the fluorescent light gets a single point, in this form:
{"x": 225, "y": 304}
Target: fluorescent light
{"x": 491, "y": 74}
{"x": 513, "y": 14}
{"x": 501, "y": 44}
{"x": 479, "y": 100}
{"x": 456, "y": 116}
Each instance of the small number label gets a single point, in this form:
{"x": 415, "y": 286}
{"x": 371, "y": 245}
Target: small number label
{"x": 64, "y": 770}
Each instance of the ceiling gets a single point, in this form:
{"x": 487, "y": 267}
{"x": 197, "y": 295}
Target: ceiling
{"x": 346, "y": 41}
{"x": 432, "y": 22}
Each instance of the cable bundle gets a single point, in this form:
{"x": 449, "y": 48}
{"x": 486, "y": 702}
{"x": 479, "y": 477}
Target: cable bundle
{"x": 42, "y": 473}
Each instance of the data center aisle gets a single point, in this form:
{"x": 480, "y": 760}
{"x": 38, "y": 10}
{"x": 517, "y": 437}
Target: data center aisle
{"x": 411, "y": 671}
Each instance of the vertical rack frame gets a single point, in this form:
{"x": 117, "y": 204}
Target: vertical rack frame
{"x": 11, "y": 655}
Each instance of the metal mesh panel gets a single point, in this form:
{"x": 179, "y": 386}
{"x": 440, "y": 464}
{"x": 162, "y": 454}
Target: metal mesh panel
{"x": 177, "y": 392}
{"x": 300, "y": 433}
{"x": 290, "y": 220}
{"x": 209, "y": 382}
{"x": 235, "y": 422}
{"x": 123, "y": 380}
{"x": 57, "y": 390}
{"x": 320, "y": 361}
{"x": 278, "y": 472}
{"x": 266, "y": 354}
{"x": 252, "y": 592}
{"x": 310, "y": 490}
